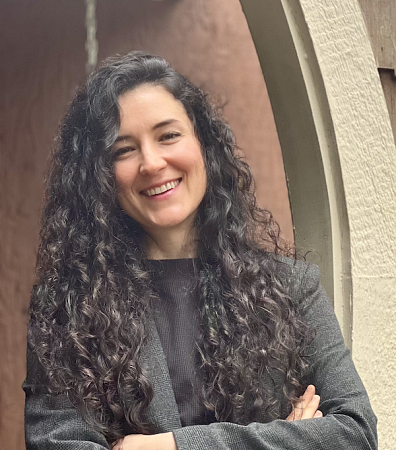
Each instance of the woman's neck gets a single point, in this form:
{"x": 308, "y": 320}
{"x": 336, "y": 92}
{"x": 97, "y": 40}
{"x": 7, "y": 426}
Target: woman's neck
{"x": 171, "y": 244}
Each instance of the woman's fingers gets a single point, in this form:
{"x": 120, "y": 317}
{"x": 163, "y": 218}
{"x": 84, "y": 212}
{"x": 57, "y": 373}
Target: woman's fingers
{"x": 298, "y": 408}
{"x": 311, "y": 408}
{"x": 307, "y": 407}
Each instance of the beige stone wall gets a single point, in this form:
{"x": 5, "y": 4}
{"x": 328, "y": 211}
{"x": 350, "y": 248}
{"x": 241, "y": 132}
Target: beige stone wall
{"x": 328, "y": 48}
{"x": 368, "y": 162}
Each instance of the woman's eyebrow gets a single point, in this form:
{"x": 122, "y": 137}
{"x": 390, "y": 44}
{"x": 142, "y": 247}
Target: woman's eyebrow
{"x": 163, "y": 123}
{"x": 124, "y": 137}
{"x": 155, "y": 127}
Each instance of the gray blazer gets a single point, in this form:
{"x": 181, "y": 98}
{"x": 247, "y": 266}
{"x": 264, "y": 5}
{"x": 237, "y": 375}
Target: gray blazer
{"x": 52, "y": 423}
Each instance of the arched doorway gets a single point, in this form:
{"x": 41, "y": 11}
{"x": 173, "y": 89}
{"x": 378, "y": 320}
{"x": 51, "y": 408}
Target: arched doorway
{"x": 340, "y": 160}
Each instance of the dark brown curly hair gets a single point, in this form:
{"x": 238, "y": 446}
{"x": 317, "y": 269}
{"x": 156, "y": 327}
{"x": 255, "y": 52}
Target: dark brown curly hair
{"x": 91, "y": 302}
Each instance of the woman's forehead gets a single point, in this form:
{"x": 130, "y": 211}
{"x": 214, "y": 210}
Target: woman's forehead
{"x": 150, "y": 105}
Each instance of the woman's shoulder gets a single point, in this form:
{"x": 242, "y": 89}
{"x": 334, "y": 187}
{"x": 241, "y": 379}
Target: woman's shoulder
{"x": 300, "y": 278}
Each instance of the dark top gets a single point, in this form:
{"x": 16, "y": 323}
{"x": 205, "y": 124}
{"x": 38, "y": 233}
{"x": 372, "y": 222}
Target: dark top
{"x": 175, "y": 314}
{"x": 53, "y": 423}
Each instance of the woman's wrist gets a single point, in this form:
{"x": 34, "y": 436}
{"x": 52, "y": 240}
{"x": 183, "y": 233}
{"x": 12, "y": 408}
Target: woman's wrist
{"x": 164, "y": 441}
{"x": 161, "y": 441}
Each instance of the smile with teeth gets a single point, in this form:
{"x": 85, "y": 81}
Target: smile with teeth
{"x": 161, "y": 189}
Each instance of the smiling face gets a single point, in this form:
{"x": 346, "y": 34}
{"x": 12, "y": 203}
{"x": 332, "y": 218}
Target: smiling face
{"x": 159, "y": 168}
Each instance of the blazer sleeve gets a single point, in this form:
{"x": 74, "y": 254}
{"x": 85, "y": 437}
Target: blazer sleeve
{"x": 51, "y": 421}
{"x": 348, "y": 423}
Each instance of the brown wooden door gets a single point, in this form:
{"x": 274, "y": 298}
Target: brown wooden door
{"x": 43, "y": 60}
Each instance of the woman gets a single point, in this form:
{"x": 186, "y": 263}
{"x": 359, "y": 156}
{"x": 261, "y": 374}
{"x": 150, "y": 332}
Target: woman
{"x": 163, "y": 316}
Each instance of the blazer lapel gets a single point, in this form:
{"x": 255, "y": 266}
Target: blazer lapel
{"x": 162, "y": 412}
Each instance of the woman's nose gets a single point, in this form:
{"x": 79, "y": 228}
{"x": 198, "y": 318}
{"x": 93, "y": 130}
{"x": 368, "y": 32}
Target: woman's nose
{"x": 152, "y": 160}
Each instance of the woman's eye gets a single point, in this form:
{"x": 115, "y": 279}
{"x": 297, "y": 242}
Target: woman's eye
{"x": 122, "y": 151}
{"x": 169, "y": 136}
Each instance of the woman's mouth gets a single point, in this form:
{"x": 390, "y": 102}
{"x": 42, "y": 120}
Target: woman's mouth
{"x": 161, "y": 189}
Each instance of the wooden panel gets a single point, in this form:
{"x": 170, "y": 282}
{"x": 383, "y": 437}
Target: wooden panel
{"x": 209, "y": 41}
{"x": 43, "y": 58}
{"x": 380, "y": 16}
{"x": 388, "y": 81}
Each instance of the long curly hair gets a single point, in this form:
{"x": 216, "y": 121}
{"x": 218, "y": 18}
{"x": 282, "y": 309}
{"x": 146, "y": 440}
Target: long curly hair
{"x": 91, "y": 302}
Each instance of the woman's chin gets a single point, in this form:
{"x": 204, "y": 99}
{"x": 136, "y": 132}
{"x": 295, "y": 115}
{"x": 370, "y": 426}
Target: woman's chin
{"x": 168, "y": 224}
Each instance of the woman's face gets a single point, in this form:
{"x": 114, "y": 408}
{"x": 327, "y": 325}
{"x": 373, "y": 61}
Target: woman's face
{"x": 159, "y": 168}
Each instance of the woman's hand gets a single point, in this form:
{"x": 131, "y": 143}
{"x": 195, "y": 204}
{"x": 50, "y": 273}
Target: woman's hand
{"x": 162, "y": 441}
{"x": 307, "y": 407}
